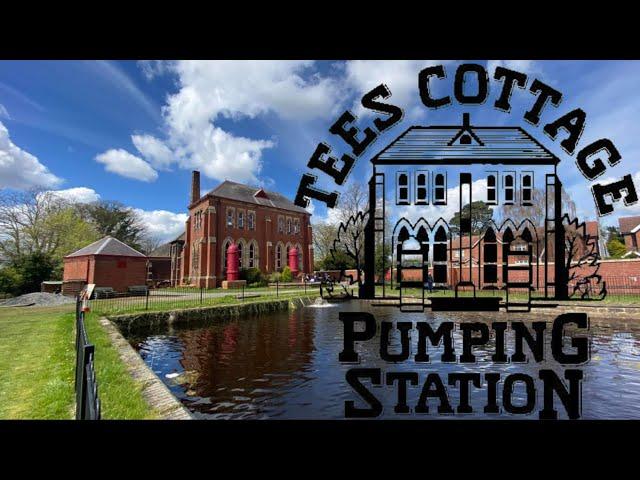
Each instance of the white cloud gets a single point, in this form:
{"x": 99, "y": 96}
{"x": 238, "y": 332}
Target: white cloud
{"x": 525, "y": 66}
{"x": 78, "y": 194}
{"x": 211, "y": 90}
{"x": 123, "y": 163}
{"x": 3, "y": 112}
{"x": 154, "y": 151}
{"x": 154, "y": 68}
{"x": 162, "y": 224}
{"x": 401, "y": 76}
{"x": 20, "y": 169}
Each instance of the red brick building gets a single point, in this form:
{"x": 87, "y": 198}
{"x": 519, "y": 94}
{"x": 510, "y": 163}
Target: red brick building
{"x": 630, "y": 230}
{"x": 107, "y": 263}
{"x": 264, "y": 225}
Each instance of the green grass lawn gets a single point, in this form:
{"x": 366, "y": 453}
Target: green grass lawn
{"x": 124, "y": 305}
{"x": 37, "y": 362}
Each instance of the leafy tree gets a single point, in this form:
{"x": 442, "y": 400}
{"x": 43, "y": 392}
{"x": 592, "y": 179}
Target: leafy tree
{"x": 350, "y": 241}
{"x": 616, "y": 248}
{"x": 286, "y": 275}
{"x": 10, "y": 280}
{"x": 338, "y": 261}
{"x": 613, "y": 233}
{"x": 116, "y": 220}
{"x": 34, "y": 269}
{"x": 481, "y": 213}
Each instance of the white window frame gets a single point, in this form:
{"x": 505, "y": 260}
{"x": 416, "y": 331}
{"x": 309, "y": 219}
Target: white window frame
{"x": 529, "y": 202}
{"x": 406, "y": 201}
{"x": 496, "y": 196}
{"x": 231, "y": 215}
{"x": 425, "y": 187}
{"x": 436, "y": 187}
{"x": 512, "y": 188}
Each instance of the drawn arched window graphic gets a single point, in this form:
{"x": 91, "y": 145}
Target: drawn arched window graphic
{"x": 492, "y": 189}
{"x": 490, "y": 257}
{"x": 440, "y": 256}
{"x": 527, "y": 188}
{"x": 440, "y": 189}
{"x": 508, "y": 188}
{"x": 402, "y": 189}
{"x": 421, "y": 188}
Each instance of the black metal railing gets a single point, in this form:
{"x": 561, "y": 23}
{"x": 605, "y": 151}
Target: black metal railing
{"x": 87, "y": 400}
{"x": 167, "y": 298}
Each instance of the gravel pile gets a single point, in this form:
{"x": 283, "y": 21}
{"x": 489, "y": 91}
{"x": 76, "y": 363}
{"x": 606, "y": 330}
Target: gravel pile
{"x": 37, "y": 299}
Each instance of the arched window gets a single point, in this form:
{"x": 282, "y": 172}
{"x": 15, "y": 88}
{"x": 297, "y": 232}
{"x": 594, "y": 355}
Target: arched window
{"x": 240, "y": 253}
{"x": 252, "y": 254}
{"x": 421, "y": 188}
{"x": 508, "y": 188}
{"x": 240, "y": 219}
{"x": 288, "y": 226}
{"x": 492, "y": 193}
{"x": 527, "y": 187}
{"x": 440, "y": 189}
{"x": 225, "y": 247}
{"x": 278, "y": 256}
{"x": 300, "y": 258}
{"x": 251, "y": 220}
{"x": 402, "y": 189}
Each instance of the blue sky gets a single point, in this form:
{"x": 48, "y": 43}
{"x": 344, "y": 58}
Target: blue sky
{"x": 133, "y": 131}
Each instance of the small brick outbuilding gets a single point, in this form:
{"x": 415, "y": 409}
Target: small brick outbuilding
{"x": 107, "y": 263}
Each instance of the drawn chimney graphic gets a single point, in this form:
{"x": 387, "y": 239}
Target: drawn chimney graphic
{"x": 195, "y": 186}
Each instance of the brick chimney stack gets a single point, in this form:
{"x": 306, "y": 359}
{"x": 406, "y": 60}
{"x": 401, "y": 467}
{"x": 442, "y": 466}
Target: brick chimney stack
{"x": 195, "y": 187}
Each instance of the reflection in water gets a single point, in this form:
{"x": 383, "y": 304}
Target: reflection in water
{"x": 285, "y": 365}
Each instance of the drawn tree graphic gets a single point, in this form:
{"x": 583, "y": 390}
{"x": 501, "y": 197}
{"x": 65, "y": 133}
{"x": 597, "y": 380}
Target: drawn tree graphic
{"x": 582, "y": 261}
{"x": 350, "y": 241}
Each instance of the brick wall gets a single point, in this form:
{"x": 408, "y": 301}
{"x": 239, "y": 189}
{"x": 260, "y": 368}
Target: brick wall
{"x": 207, "y": 230}
{"x": 119, "y": 273}
{"x": 618, "y": 273}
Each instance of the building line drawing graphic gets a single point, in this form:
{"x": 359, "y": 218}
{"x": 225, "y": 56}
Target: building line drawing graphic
{"x": 429, "y": 169}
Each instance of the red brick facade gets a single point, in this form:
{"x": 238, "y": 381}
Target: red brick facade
{"x": 630, "y": 231}
{"x": 116, "y": 272}
{"x": 263, "y": 224}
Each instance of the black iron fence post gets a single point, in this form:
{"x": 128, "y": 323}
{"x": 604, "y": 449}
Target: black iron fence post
{"x": 277, "y": 288}
{"x": 86, "y": 387}
{"x": 243, "y": 293}
{"x": 305, "y": 286}
{"x": 146, "y": 300}
{"x": 201, "y": 294}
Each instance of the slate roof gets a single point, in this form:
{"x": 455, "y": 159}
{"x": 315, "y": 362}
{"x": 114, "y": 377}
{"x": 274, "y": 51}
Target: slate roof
{"x": 163, "y": 250}
{"x": 439, "y": 145}
{"x": 245, "y": 193}
{"x": 107, "y": 246}
{"x": 628, "y": 223}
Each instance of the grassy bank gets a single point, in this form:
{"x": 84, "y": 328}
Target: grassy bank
{"x": 37, "y": 361}
{"x": 159, "y": 304}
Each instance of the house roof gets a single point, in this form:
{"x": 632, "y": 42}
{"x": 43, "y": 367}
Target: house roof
{"x": 107, "y": 246}
{"x": 627, "y": 224}
{"x": 257, "y": 196}
{"x": 487, "y": 145}
{"x": 163, "y": 250}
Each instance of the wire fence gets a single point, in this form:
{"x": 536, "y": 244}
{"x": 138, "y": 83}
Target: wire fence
{"x": 170, "y": 298}
{"x": 610, "y": 289}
